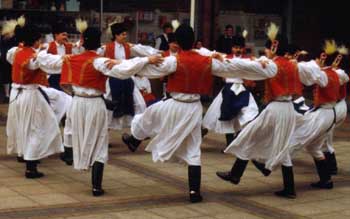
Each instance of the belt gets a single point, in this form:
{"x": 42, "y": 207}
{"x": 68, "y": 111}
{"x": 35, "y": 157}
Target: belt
{"x": 185, "y": 101}
{"x": 88, "y": 96}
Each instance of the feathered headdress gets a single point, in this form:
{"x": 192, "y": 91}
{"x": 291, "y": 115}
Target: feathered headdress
{"x": 9, "y": 28}
{"x": 245, "y": 34}
{"x": 175, "y": 24}
{"x": 81, "y": 25}
{"x": 21, "y": 21}
{"x": 330, "y": 47}
{"x": 272, "y": 32}
{"x": 343, "y": 50}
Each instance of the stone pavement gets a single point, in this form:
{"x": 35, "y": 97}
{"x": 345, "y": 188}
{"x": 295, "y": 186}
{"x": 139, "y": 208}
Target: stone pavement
{"x": 137, "y": 188}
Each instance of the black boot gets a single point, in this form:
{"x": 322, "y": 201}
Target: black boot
{"x": 204, "y": 132}
{"x": 32, "y": 171}
{"x": 20, "y": 159}
{"x": 194, "y": 182}
{"x": 288, "y": 183}
{"x": 236, "y": 172}
{"x": 67, "y": 156}
{"x": 229, "y": 138}
{"x": 96, "y": 177}
{"x": 261, "y": 167}
{"x": 131, "y": 142}
{"x": 323, "y": 172}
{"x": 331, "y": 162}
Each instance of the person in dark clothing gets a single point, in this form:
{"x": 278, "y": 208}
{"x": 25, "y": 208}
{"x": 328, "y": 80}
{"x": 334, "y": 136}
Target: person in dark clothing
{"x": 162, "y": 40}
{"x": 225, "y": 41}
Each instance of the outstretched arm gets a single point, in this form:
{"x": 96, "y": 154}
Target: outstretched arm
{"x": 244, "y": 68}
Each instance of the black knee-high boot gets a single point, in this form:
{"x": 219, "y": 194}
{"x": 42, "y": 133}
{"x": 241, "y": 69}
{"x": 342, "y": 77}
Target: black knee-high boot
{"x": 32, "y": 171}
{"x": 67, "y": 156}
{"x": 323, "y": 172}
{"x": 229, "y": 138}
{"x": 194, "y": 182}
{"x": 331, "y": 162}
{"x": 234, "y": 176}
{"x": 131, "y": 142}
{"x": 96, "y": 177}
{"x": 261, "y": 167}
{"x": 288, "y": 183}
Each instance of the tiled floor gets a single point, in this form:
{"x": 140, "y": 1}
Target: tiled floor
{"x": 138, "y": 188}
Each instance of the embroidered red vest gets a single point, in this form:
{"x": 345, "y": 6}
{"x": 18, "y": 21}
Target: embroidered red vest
{"x": 285, "y": 83}
{"x": 79, "y": 70}
{"x": 21, "y": 74}
{"x": 193, "y": 74}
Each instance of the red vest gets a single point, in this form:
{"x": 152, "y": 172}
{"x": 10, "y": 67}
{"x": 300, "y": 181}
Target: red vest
{"x": 166, "y": 53}
{"x": 342, "y": 91}
{"x": 110, "y": 50}
{"x": 21, "y": 74}
{"x": 53, "y": 48}
{"x": 79, "y": 70}
{"x": 330, "y": 93}
{"x": 193, "y": 74}
{"x": 285, "y": 83}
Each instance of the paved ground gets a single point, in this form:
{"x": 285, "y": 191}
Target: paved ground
{"x": 138, "y": 188}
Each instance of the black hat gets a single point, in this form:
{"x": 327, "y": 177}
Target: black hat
{"x": 19, "y": 33}
{"x": 30, "y": 34}
{"x": 58, "y": 28}
{"x": 171, "y": 37}
{"x": 92, "y": 38}
{"x": 185, "y": 36}
{"x": 118, "y": 28}
{"x": 292, "y": 49}
{"x": 238, "y": 41}
{"x": 282, "y": 44}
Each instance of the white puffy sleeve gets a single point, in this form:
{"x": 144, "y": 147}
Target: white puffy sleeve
{"x": 310, "y": 73}
{"x": 167, "y": 67}
{"x": 142, "y": 50}
{"x": 49, "y": 62}
{"x": 244, "y": 68}
{"x": 124, "y": 70}
{"x": 343, "y": 77}
{"x": 11, "y": 54}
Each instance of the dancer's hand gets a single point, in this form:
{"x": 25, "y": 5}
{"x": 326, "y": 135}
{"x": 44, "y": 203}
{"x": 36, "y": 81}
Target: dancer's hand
{"x": 218, "y": 56}
{"x": 112, "y": 62}
{"x": 155, "y": 59}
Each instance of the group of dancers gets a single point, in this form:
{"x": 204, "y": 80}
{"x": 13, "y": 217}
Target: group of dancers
{"x": 93, "y": 88}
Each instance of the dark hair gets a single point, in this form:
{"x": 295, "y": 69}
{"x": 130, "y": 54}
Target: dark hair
{"x": 167, "y": 25}
{"x": 292, "y": 49}
{"x": 92, "y": 38}
{"x": 228, "y": 26}
{"x": 18, "y": 33}
{"x": 58, "y": 27}
{"x": 171, "y": 37}
{"x": 117, "y": 29}
{"x": 185, "y": 36}
{"x": 30, "y": 34}
{"x": 238, "y": 41}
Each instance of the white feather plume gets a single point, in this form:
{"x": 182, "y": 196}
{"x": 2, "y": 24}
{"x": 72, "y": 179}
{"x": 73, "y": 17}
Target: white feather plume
{"x": 245, "y": 34}
{"x": 9, "y": 27}
{"x": 175, "y": 24}
{"x": 21, "y": 21}
{"x": 343, "y": 50}
{"x": 81, "y": 25}
{"x": 272, "y": 31}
